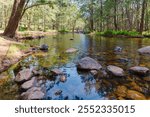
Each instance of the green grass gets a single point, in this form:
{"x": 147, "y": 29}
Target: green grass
{"x": 146, "y": 33}
{"x": 63, "y": 31}
{"x": 111, "y": 33}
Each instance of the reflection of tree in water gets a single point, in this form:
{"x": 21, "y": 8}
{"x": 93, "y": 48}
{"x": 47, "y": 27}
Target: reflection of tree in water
{"x": 89, "y": 82}
{"x": 103, "y": 87}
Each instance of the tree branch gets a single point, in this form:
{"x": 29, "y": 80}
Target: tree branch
{"x": 39, "y": 4}
{"x": 34, "y": 5}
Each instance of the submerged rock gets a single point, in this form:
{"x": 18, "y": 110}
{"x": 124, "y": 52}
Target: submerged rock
{"x": 59, "y": 92}
{"x": 144, "y": 50}
{"x": 139, "y": 70}
{"x": 23, "y": 76}
{"x": 27, "y": 85}
{"x": 34, "y": 93}
{"x": 103, "y": 74}
{"x": 116, "y": 71}
{"x": 94, "y": 72}
{"x": 121, "y": 91}
{"x": 131, "y": 94}
{"x": 44, "y": 47}
{"x": 71, "y": 50}
{"x": 88, "y": 63}
{"x": 134, "y": 86}
{"x": 62, "y": 78}
{"x": 56, "y": 71}
{"x": 71, "y": 39}
{"x": 124, "y": 60}
{"x": 118, "y": 49}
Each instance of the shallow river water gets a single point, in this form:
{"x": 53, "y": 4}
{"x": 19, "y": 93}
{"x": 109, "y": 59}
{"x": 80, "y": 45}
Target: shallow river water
{"x": 82, "y": 85}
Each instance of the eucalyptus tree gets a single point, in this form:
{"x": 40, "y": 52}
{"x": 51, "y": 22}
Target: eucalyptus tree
{"x": 18, "y": 10}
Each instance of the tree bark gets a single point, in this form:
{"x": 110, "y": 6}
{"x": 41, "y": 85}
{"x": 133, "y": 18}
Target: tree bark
{"x": 91, "y": 16}
{"x": 142, "y": 16}
{"x": 14, "y": 18}
{"x": 115, "y": 15}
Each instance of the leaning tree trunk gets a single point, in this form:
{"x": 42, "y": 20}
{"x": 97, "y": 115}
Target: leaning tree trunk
{"x": 14, "y": 19}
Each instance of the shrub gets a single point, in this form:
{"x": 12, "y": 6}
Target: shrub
{"x": 63, "y": 31}
{"x": 110, "y": 33}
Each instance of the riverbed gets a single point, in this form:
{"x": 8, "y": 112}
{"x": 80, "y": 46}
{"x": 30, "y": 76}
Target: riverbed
{"x": 82, "y": 85}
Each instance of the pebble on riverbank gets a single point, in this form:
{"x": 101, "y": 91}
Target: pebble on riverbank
{"x": 116, "y": 71}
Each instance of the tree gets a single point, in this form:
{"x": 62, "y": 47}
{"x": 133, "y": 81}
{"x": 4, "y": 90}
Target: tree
{"x": 144, "y": 4}
{"x": 14, "y": 18}
{"x": 19, "y": 8}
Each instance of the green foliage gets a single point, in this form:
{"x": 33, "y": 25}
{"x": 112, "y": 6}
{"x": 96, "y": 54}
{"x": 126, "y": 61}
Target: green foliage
{"x": 22, "y": 28}
{"x": 146, "y": 33}
{"x": 63, "y": 31}
{"x": 110, "y": 33}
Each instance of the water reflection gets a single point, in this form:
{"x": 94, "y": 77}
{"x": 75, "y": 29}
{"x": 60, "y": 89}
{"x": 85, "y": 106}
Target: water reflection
{"x": 82, "y": 85}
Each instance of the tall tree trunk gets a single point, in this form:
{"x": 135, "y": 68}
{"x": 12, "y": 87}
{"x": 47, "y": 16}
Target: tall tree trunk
{"x": 142, "y": 16}
{"x": 14, "y": 18}
{"x": 101, "y": 15}
{"x": 91, "y": 16}
{"x": 137, "y": 15}
{"x": 115, "y": 15}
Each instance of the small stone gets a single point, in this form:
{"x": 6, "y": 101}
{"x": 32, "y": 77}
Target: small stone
{"x": 116, "y": 71}
{"x": 94, "y": 72}
{"x": 71, "y": 39}
{"x": 123, "y": 60}
{"x": 71, "y": 50}
{"x": 63, "y": 78}
{"x": 27, "y": 85}
{"x": 23, "y": 76}
{"x": 139, "y": 70}
{"x": 6, "y": 63}
{"x": 44, "y": 47}
{"x": 118, "y": 49}
{"x": 56, "y": 72}
{"x": 88, "y": 63}
{"x": 37, "y": 72}
{"x": 58, "y": 92}
{"x": 131, "y": 94}
{"x": 144, "y": 50}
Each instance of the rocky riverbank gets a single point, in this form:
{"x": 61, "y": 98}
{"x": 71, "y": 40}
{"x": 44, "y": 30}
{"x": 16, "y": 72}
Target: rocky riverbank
{"x": 32, "y": 81}
{"x": 114, "y": 81}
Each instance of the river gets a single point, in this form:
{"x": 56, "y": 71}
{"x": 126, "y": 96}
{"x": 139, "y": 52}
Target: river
{"x": 83, "y": 85}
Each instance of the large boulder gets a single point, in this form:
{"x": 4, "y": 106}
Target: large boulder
{"x": 115, "y": 71}
{"x": 88, "y": 63}
{"x": 71, "y": 50}
{"x": 134, "y": 95}
{"x": 23, "y": 76}
{"x": 35, "y": 93}
{"x": 29, "y": 84}
{"x": 139, "y": 70}
{"x": 144, "y": 50}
